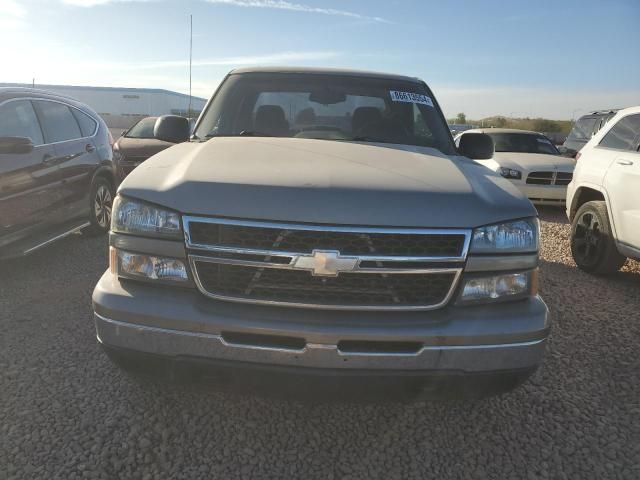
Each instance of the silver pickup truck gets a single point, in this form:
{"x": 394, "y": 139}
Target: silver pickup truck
{"x": 322, "y": 224}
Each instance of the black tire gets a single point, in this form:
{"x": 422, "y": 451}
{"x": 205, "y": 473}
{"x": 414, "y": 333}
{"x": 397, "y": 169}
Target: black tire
{"x": 592, "y": 244}
{"x": 101, "y": 203}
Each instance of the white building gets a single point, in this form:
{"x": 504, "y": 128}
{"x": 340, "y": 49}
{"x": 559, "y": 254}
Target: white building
{"x": 122, "y": 107}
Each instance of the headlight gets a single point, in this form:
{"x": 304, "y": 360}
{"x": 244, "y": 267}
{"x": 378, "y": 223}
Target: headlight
{"x": 510, "y": 173}
{"x": 147, "y": 267}
{"x": 506, "y": 286}
{"x": 139, "y": 218}
{"x": 512, "y": 237}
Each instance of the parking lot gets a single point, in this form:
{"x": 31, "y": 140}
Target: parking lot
{"x": 68, "y": 413}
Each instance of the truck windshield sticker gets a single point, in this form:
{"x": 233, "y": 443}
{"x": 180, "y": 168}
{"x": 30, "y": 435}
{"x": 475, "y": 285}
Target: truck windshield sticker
{"x": 409, "y": 97}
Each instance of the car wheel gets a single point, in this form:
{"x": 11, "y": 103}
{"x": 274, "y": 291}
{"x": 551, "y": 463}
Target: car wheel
{"x": 101, "y": 199}
{"x": 592, "y": 244}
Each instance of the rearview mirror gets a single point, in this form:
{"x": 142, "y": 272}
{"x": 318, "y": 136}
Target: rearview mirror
{"x": 15, "y": 145}
{"x": 171, "y": 128}
{"x": 477, "y": 146}
{"x": 327, "y": 97}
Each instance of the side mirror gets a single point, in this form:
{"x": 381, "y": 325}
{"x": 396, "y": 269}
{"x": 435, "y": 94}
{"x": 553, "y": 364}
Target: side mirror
{"x": 15, "y": 145}
{"x": 171, "y": 128}
{"x": 477, "y": 146}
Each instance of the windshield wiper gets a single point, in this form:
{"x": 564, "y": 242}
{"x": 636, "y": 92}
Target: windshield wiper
{"x": 364, "y": 138}
{"x": 243, "y": 133}
{"x": 250, "y": 133}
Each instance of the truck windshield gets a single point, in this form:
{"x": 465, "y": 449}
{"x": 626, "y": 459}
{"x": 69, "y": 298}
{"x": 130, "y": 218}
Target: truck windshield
{"x": 327, "y": 107}
{"x": 523, "y": 143}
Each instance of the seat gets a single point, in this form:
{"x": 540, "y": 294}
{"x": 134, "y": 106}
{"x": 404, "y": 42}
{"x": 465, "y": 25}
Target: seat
{"x": 270, "y": 120}
{"x": 365, "y": 121}
{"x": 306, "y": 117}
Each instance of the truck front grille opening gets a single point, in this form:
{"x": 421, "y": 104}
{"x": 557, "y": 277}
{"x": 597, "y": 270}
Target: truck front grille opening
{"x": 377, "y": 347}
{"x": 257, "y": 340}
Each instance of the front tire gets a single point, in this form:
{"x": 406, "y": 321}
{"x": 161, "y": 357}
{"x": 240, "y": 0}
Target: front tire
{"x": 101, "y": 198}
{"x": 592, "y": 244}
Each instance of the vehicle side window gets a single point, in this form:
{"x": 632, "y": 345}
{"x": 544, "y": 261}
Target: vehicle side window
{"x": 58, "y": 122}
{"x": 87, "y": 124}
{"x": 17, "y": 119}
{"x": 623, "y": 134}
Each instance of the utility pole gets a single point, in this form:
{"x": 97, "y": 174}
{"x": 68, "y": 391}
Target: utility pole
{"x": 190, "y": 60}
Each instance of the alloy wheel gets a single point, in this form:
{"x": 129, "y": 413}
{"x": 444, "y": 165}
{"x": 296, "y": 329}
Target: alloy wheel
{"x": 587, "y": 239}
{"x": 103, "y": 203}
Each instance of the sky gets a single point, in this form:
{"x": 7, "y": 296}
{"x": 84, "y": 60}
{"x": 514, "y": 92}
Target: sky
{"x": 553, "y": 59}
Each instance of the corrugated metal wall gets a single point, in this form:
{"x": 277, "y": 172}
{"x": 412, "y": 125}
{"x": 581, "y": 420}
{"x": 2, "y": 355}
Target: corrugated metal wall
{"x": 122, "y": 107}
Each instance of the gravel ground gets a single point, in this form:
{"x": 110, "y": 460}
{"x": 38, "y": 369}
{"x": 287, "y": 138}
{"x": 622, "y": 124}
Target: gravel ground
{"x": 67, "y": 413}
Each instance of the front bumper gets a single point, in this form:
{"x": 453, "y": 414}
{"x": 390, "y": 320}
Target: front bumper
{"x": 545, "y": 194}
{"x": 176, "y": 323}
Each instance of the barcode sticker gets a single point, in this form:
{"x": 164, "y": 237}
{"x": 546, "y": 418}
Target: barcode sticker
{"x": 409, "y": 97}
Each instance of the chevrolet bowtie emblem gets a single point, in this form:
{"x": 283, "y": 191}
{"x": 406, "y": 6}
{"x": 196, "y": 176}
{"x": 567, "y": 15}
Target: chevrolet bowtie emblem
{"x": 327, "y": 263}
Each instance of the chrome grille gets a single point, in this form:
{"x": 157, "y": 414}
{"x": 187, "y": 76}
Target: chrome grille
{"x": 297, "y": 286}
{"x": 305, "y": 241}
{"x": 549, "y": 178}
{"x": 563, "y": 178}
{"x": 332, "y": 267}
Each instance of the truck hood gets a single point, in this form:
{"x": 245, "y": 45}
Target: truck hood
{"x": 534, "y": 161}
{"x": 329, "y": 182}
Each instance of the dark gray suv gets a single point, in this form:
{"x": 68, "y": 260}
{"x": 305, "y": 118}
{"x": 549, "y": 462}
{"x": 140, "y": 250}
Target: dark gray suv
{"x": 585, "y": 128}
{"x": 56, "y": 170}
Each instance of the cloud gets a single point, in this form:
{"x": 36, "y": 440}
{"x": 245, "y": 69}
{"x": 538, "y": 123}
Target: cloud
{"x": 270, "y": 4}
{"x": 266, "y": 59}
{"x": 12, "y": 14}
{"x": 296, "y": 7}
{"x": 96, "y": 3}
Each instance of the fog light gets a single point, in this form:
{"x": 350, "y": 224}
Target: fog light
{"x": 135, "y": 265}
{"x": 507, "y": 286}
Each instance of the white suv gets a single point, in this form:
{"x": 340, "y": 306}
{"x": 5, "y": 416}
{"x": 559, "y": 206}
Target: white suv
{"x": 603, "y": 200}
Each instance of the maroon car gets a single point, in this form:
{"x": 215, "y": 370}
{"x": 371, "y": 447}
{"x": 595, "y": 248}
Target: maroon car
{"x": 136, "y": 145}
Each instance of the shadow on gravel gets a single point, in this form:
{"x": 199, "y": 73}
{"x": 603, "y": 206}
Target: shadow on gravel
{"x": 552, "y": 214}
{"x": 629, "y": 276}
{"x": 77, "y": 251}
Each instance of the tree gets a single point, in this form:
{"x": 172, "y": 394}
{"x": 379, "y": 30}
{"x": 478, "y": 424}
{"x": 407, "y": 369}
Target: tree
{"x": 501, "y": 122}
{"x": 544, "y": 125}
{"x": 461, "y": 118}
